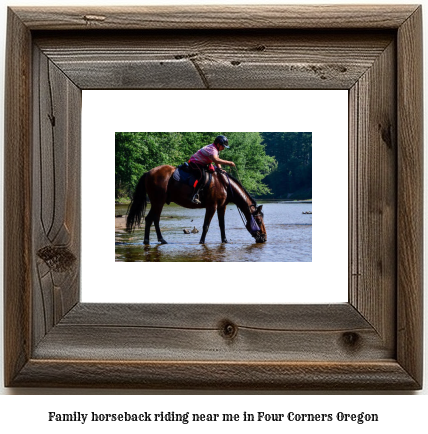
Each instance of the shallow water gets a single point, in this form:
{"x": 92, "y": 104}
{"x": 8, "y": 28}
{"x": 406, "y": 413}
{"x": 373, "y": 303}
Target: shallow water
{"x": 289, "y": 236}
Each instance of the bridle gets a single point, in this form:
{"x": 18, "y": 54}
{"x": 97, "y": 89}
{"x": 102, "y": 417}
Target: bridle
{"x": 254, "y": 227}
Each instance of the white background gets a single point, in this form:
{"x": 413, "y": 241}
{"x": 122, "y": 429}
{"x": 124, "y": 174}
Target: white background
{"x": 398, "y": 412}
{"x": 324, "y": 113}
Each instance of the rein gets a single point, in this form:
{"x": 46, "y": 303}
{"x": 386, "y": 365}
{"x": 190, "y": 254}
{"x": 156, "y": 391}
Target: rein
{"x": 254, "y": 227}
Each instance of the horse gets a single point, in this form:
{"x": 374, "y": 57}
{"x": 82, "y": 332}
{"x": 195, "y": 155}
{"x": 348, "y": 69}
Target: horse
{"x": 160, "y": 186}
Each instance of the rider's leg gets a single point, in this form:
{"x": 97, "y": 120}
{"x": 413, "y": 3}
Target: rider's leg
{"x": 195, "y": 198}
{"x": 199, "y": 173}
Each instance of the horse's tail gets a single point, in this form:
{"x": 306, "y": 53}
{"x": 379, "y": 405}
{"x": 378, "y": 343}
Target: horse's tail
{"x": 138, "y": 205}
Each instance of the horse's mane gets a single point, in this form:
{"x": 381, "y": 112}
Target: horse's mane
{"x": 243, "y": 188}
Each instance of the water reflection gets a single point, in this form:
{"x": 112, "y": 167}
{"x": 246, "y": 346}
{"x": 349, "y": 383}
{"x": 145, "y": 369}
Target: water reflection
{"x": 289, "y": 237}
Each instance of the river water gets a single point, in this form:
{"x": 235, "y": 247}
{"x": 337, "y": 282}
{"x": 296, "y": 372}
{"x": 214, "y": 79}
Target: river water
{"x": 288, "y": 227}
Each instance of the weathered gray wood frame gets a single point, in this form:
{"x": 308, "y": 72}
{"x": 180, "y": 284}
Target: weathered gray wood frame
{"x": 372, "y": 342}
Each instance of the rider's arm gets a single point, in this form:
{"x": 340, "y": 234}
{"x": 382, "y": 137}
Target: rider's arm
{"x": 218, "y": 162}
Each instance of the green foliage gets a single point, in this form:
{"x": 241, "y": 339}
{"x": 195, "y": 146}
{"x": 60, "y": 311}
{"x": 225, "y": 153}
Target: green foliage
{"x": 129, "y": 161}
{"x": 248, "y": 153}
{"x": 273, "y": 165}
{"x": 138, "y": 152}
{"x": 293, "y": 177}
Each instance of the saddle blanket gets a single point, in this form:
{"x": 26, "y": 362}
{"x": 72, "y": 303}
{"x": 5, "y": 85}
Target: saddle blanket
{"x": 184, "y": 176}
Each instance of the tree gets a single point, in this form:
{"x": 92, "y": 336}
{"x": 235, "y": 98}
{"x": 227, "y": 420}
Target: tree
{"x": 248, "y": 153}
{"x": 293, "y": 176}
{"x": 139, "y": 152}
{"x": 129, "y": 152}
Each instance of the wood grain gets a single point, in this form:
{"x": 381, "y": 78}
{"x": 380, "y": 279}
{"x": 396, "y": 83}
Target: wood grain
{"x": 384, "y": 375}
{"x": 56, "y": 198}
{"x": 372, "y": 342}
{"x": 410, "y": 196}
{"x": 199, "y": 332}
{"x": 207, "y": 60}
{"x": 373, "y": 164}
{"x": 246, "y": 17}
{"x": 17, "y": 198}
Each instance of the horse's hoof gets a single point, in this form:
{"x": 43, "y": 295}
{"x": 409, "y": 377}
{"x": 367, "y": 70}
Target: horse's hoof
{"x": 162, "y": 241}
{"x": 146, "y": 242}
{"x": 224, "y": 241}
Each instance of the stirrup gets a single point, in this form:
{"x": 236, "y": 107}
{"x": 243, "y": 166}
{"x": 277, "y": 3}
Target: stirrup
{"x": 196, "y": 200}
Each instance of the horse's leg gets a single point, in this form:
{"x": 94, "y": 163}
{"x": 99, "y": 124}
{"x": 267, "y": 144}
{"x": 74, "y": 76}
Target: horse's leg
{"x": 153, "y": 217}
{"x": 220, "y": 213}
{"x": 157, "y": 211}
{"x": 158, "y": 231}
{"x": 209, "y": 213}
{"x": 157, "y": 192}
{"x": 149, "y": 221}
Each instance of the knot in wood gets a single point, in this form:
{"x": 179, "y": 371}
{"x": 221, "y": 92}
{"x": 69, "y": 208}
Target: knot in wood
{"x": 228, "y": 330}
{"x": 51, "y": 119}
{"x": 386, "y": 134}
{"x": 58, "y": 259}
{"x": 257, "y": 48}
{"x": 94, "y": 18}
{"x": 351, "y": 340}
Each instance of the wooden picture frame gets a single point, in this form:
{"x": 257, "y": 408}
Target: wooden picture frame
{"x": 372, "y": 342}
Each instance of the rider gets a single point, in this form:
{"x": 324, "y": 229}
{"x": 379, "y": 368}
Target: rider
{"x": 206, "y": 156}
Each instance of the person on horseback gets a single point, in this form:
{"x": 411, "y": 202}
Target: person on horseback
{"x": 203, "y": 159}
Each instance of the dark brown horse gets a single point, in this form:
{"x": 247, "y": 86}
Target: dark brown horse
{"x": 162, "y": 188}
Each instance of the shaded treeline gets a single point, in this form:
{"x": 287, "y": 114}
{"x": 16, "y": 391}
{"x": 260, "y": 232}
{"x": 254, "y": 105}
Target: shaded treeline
{"x": 270, "y": 165}
{"x": 292, "y": 178}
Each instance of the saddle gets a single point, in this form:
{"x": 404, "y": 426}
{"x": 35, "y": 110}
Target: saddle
{"x": 186, "y": 175}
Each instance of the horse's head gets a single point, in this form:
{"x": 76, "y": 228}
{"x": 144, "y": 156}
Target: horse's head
{"x": 256, "y": 226}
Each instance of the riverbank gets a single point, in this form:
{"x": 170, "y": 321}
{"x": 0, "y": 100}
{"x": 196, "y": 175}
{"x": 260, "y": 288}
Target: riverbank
{"x": 120, "y": 223}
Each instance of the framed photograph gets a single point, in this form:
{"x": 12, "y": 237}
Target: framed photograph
{"x": 175, "y": 179}
{"x": 371, "y": 341}
{"x": 296, "y": 247}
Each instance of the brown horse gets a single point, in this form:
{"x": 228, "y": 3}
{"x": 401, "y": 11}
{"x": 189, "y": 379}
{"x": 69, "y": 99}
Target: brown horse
{"x": 162, "y": 188}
